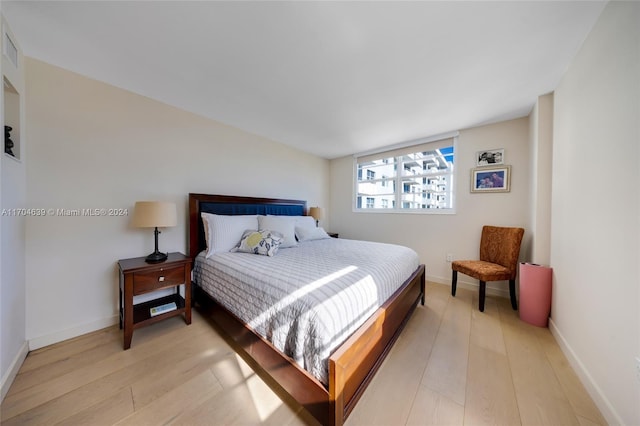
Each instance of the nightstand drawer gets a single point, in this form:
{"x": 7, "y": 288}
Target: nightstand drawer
{"x": 144, "y": 282}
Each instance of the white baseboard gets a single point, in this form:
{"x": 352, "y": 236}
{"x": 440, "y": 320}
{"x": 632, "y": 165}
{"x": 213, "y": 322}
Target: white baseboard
{"x": 601, "y": 401}
{"x": 12, "y": 372}
{"x": 50, "y": 339}
{"x": 42, "y": 341}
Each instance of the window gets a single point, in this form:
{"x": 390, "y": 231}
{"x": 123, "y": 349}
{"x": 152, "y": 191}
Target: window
{"x": 416, "y": 178}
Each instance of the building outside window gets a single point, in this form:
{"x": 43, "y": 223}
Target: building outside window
{"x": 370, "y": 202}
{"x": 425, "y": 183}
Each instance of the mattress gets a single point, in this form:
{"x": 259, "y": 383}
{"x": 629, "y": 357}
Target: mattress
{"x": 307, "y": 300}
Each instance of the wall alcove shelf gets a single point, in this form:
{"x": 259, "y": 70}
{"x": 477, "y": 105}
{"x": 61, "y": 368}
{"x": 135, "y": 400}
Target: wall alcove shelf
{"x": 11, "y": 120}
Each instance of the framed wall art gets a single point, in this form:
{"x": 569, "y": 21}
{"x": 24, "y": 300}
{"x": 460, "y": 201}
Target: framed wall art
{"x": 491, "y": 179}
{"x": 490, "y": 157}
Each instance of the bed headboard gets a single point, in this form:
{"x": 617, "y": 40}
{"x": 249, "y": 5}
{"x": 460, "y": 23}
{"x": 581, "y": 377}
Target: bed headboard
{"x": 232, "y": 205}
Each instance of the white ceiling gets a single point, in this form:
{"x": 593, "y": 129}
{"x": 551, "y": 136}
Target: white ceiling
{"x": 330, "y": 78}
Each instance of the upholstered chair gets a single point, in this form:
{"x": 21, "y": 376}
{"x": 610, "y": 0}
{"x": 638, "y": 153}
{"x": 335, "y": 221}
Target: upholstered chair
{"x": 499, "y": 251}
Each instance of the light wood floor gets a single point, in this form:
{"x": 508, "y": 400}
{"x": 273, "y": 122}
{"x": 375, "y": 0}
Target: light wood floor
{"x": 452, "y": 365}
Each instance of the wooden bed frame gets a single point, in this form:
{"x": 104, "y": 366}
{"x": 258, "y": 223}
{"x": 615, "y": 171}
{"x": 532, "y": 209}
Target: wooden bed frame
{"x": 351, "y": 366}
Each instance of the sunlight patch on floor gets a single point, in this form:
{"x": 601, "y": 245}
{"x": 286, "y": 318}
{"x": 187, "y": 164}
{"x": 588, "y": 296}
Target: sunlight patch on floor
{"x": 265, "y": 401}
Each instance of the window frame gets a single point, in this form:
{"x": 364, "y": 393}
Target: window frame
{"x": 400, "y": 178}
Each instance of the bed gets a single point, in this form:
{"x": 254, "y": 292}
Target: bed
{"x": 330, "y": 393}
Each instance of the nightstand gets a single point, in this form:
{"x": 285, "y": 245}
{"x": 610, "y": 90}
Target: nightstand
{"x": 333, "y": 234}
{"x": 139, "y": 277}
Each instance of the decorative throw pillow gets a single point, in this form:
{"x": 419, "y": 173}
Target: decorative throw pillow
{"x": 284, "y": 225}
{"x": 263, "y": 242}
{"x": 308, "y": 234}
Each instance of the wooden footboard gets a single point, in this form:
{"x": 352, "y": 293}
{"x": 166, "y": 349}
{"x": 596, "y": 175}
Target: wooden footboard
{"x": 355, "y": 362}
{"x": 351, "y": 366}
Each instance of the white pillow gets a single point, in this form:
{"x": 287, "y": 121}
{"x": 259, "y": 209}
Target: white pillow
{"x": 305, "y": 221}
{"x": 308, "y": 234}
{"x": 222, "y": 232}
{"x": 285, "y": 225}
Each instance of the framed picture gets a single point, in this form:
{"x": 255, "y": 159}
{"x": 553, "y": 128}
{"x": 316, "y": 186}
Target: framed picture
{"x": 490, "y": 157}
{"x": 491, "y": 179}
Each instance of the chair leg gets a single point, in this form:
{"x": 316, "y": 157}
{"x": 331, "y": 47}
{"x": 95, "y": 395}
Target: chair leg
{"x": 483, "y": 287}
{"x": 512, "y": 294}
{"x": 454, "y": 282}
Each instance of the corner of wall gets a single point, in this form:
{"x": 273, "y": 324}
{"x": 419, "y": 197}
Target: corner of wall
{"x": 50, "y": 339}
{"x": 541, "y": 147}
{"x": 12, "y": 371}
{"x": 14, "y": 347}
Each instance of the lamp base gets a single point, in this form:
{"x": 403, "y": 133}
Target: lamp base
{"x": 156, "y": 257}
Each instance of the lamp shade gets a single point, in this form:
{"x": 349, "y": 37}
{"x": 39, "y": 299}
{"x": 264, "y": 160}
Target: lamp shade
{"x": 150, "y": 214}
{"x": 316, "y": 212}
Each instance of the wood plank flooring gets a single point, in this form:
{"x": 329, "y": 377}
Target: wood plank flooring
{"x": 452, "y": 365}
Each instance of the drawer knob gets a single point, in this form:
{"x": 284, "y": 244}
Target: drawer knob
{"x": 160, "y": 279}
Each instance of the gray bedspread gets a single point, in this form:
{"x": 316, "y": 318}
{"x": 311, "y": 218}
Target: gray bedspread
{"x": 307, "y": 300}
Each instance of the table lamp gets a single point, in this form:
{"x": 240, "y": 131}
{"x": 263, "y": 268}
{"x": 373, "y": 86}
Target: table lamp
{"x": 155, "y": 214}
{"x": 317, "y": 213}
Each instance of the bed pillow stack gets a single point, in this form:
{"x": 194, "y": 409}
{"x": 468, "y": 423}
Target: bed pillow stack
{"x": 223, "y": 232}
{"x": 285, "y": 225}
{"x": 305, "y": 222}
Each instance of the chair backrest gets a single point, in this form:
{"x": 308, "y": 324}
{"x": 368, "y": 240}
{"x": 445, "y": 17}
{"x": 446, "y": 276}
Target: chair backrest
{"x": 501, "y": 245}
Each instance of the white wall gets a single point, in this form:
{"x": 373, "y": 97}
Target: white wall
{"x": 92, "y": 145}
{"x": 13, "y": 347}
{"x": 595, "y": 211}
{"x": 433, "y": 236}
{"x": 95, "y": 146}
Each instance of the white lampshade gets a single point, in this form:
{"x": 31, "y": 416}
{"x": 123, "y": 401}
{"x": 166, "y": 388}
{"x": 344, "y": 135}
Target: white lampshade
{"x": 151, "y": 214}
{"x": 316, "y": 212}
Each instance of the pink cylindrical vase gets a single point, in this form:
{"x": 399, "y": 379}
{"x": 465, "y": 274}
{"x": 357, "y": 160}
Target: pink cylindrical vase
{"x": 535, "y": 294}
